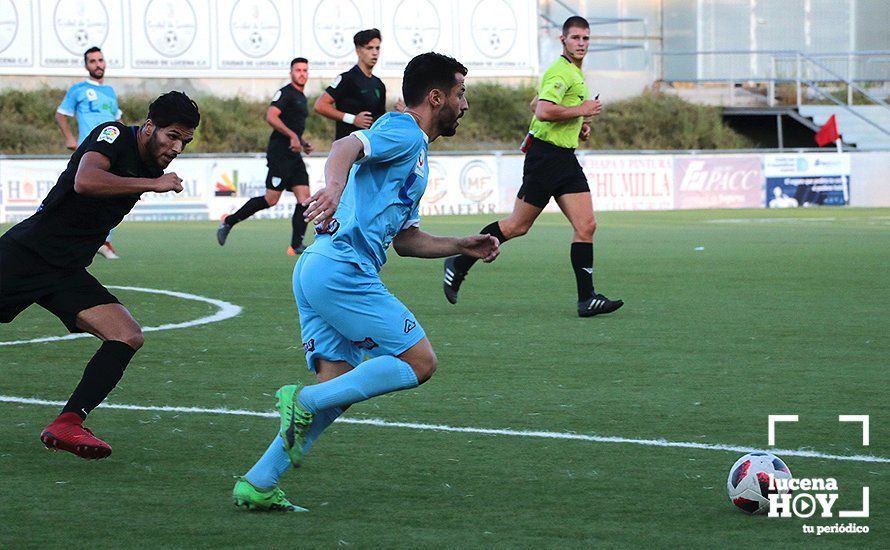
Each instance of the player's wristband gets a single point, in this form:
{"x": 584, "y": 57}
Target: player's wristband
{"x": 349, "y": 118}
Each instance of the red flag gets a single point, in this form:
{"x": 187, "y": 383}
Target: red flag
{"x": 827, "y": 133}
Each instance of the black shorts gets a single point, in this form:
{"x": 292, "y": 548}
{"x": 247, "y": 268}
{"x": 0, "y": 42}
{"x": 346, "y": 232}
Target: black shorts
{"x": 550, "y": 171}
{"x": 285, "y": 171}
{"x": 26, "y": 278}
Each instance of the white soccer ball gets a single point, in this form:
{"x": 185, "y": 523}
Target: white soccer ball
{"x": 749, "y": 484}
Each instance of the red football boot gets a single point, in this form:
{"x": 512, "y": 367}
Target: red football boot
{"x": 67, "y": 434}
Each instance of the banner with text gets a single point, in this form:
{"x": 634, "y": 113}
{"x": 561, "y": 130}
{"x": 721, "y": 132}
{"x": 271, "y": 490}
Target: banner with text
{"x": 811, "y": 179}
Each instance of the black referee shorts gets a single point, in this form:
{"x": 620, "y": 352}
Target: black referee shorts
{"x": 26, "y": 278}
{"x": 285, "y": 171}
{"x": 550, "y": 171}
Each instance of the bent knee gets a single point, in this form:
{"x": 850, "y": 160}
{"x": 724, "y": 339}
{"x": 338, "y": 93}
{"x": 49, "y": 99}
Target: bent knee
{"x": 134, "y": 338}
{"x": 272, "y": 200}
{"x": 425, "y": 367}
{"x": 513, "y": 230}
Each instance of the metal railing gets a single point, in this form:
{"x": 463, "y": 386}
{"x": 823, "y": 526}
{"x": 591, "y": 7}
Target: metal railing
{"x": 817, "y": 72}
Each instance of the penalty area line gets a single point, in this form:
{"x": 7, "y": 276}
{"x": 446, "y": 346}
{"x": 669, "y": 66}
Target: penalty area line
{"x": 481, "y": 431}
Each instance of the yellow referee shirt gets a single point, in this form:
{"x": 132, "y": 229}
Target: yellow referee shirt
{"x": 562, "y": 84}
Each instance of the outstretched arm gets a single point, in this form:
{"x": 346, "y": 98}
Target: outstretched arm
{"x": 93, "y": 179}
{"x": 414, "y": 242}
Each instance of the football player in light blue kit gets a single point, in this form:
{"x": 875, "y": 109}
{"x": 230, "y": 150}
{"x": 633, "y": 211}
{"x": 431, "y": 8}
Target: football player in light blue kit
{"x": 345, "y": 310}
{"x": 93, "y": 103}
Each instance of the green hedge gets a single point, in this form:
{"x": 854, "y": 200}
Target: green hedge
{"x": 498, "y": 119}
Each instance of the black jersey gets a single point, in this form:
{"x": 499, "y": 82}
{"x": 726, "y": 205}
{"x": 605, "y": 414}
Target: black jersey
{"x": 353, "y": 92}
{"x": 68, "y": 227}
{"x": 294, "y": 110}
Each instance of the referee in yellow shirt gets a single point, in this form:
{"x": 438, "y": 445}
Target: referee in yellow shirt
{"x": 552, "y": 170}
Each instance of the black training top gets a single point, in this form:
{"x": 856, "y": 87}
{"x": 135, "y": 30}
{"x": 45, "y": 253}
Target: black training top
{"x": 353, "y": 92}
{"x": 68, "y": 227}
{"x": 294, "y": 110}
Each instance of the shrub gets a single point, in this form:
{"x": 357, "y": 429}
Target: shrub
{"x": 498, "y": 119}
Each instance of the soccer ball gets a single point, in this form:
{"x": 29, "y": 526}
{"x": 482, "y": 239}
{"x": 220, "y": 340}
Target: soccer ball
{"x": 748, "y": 483}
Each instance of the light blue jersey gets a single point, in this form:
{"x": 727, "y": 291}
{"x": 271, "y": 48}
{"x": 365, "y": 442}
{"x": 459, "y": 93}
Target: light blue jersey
{"x": 92, "y": 104}
{"x": 382, "y": 195}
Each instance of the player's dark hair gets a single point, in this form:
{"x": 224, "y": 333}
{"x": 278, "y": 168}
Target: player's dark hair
{"x": 575, "y": 21}
{"x": 94, "y": 49}
{"x": 429, "y": 71}
{"x": 296, "y": 60}
{"x": 173, "y": 108}
{"x": 362, "y": 38}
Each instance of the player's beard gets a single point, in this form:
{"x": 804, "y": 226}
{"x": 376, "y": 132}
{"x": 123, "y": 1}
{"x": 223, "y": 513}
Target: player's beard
{"x": 154, "y": 151}
{"x": 449, "y": 126}
{"x": 97, "y": 74}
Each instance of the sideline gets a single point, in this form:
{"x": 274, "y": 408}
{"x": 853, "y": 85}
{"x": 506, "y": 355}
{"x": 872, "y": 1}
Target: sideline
{"x": 483, "y": 431}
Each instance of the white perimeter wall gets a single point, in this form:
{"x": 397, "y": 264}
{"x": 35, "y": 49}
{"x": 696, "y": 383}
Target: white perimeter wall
{"x": 487, "y": 184}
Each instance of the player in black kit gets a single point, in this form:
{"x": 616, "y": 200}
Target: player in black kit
{"x": 43, "y": 259}
{"x": 356, "y": 98}
{"x": 287, "y": 116}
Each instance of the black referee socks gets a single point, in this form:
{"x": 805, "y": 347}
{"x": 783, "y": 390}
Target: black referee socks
{"x": 247, "y": 210}
{"x": 101, "y": 375}
{"x": 582, "y": 265}
{"x": 463, "y": 262}
{"x": 298, "y": 225}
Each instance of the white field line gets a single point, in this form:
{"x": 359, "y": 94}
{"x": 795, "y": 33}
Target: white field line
{"x": 226, "y": 311}
{"x": 482, "y": 431}
{"x": 771, "y": 220}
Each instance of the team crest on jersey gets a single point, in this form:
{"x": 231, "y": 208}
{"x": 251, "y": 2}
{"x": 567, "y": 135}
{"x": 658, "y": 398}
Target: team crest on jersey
{"x": 92, "y": 95}
{"x": 421, "y": 163}
{"x": 109, "y": 134}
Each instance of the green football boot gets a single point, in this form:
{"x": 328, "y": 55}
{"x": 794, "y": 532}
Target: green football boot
{"x": 294, "y": 422}
{"x": 273, "y": 500}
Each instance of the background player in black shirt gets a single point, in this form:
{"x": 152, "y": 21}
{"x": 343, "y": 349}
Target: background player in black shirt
{"x": 43, "y": 259}
{"x": 356, "y": 98}
{"x": 287, "y": 116}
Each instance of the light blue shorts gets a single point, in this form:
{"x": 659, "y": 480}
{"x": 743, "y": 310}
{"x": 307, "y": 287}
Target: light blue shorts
{"x": 346, "y": 313}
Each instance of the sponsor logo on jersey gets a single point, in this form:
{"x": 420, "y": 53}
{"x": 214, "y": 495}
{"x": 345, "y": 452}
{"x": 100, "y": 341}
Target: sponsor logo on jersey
{"x": 109, "y": 134}
{"x": 310, "y": 345}
{"x": 336, "y": 81}
{"x": 409, "y": 325}
{"x": 277, "y": 96}
{"x": 327, "y": 228}
{"x": 92, "y": 95}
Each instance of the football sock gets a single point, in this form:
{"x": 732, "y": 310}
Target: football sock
{"x": 299, "y": 226}
{"x": 100, "y": 376}
{"x": 268, "y": 469}
{"x": 582, "y": 265}
{"x": 247, "y": 210}
{"x": 275, "y": 461}
{"x": 376, "y": 376}
{"x": 320, "y": 422}
{"x": 464, "y": 262}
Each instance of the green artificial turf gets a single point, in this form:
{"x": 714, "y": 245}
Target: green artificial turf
{"x": 730, "y": 316}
